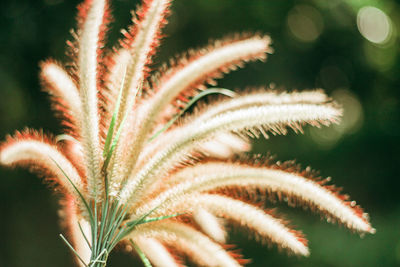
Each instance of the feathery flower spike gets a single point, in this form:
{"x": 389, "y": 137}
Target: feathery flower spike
{"x": 131, "y": 175}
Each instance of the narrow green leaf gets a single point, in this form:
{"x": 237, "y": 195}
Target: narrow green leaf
{"x": 118, "y": 134}
{"x": 112, "y": 223}
{"x": 142, "y": 256}
{"x": 114, "y": 144}
{"x": 140, "y": 220}
{"x": 204, "y": 93}
{"x": 113, "y": 119}
{"x": 106, "y": 185}
{"x": 94, "y": 229}
{"x": 108, "y": 151}
{"x": 121, "y": 234}
{"x": 147, "y": 220}
{"x": 79, "y": 193}
{"x": 84, "y": 236}
{"x": 104, "y": 215}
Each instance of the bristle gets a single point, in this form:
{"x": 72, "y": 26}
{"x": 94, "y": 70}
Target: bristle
{"x": 83, "y": 10}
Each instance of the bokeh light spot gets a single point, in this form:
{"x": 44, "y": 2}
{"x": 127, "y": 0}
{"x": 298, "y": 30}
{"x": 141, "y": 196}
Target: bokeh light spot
{"x": 351, "y": 122}
{"x": 353, "y": 115}
{"x": 374, "y": 24}
{"x": 305, "y": 23}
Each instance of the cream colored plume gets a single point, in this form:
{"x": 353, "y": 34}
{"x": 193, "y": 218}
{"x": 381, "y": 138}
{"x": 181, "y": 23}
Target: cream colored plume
{"x": 45, "y": 156}
{"x": 198, "y": 246}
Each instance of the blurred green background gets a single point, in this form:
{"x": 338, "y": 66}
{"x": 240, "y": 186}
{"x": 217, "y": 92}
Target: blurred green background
{"x": 349, "y": 48}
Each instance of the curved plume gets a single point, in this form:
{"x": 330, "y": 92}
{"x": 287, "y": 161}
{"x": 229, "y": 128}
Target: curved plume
{"x": 224, "y": 146}
{"x": 193, "y": 243}
{"x": 156, "y": 252}
{"x": 264, "y": 225}
{"x": 270, "y": 117}
{"x": 33, "y": 150}
{"x": 216, "y": 175}
{"x": 261, "y": 98}
{"x": 65, "y": 94}
{"x": 209, "y": 224}
{"x": 90, "y": 38}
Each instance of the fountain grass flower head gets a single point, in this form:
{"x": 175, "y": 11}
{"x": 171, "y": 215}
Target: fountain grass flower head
{"x": 135, "y": 170}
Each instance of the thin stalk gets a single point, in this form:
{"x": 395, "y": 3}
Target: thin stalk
{"x": 104, "y": 215}
{"x": 84, "y": 236}
{"x": 142, "y": 256}
{"x": 72, "y": 248}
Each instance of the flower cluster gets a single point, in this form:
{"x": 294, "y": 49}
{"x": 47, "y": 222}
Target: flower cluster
{"x": 136, "y": 168}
